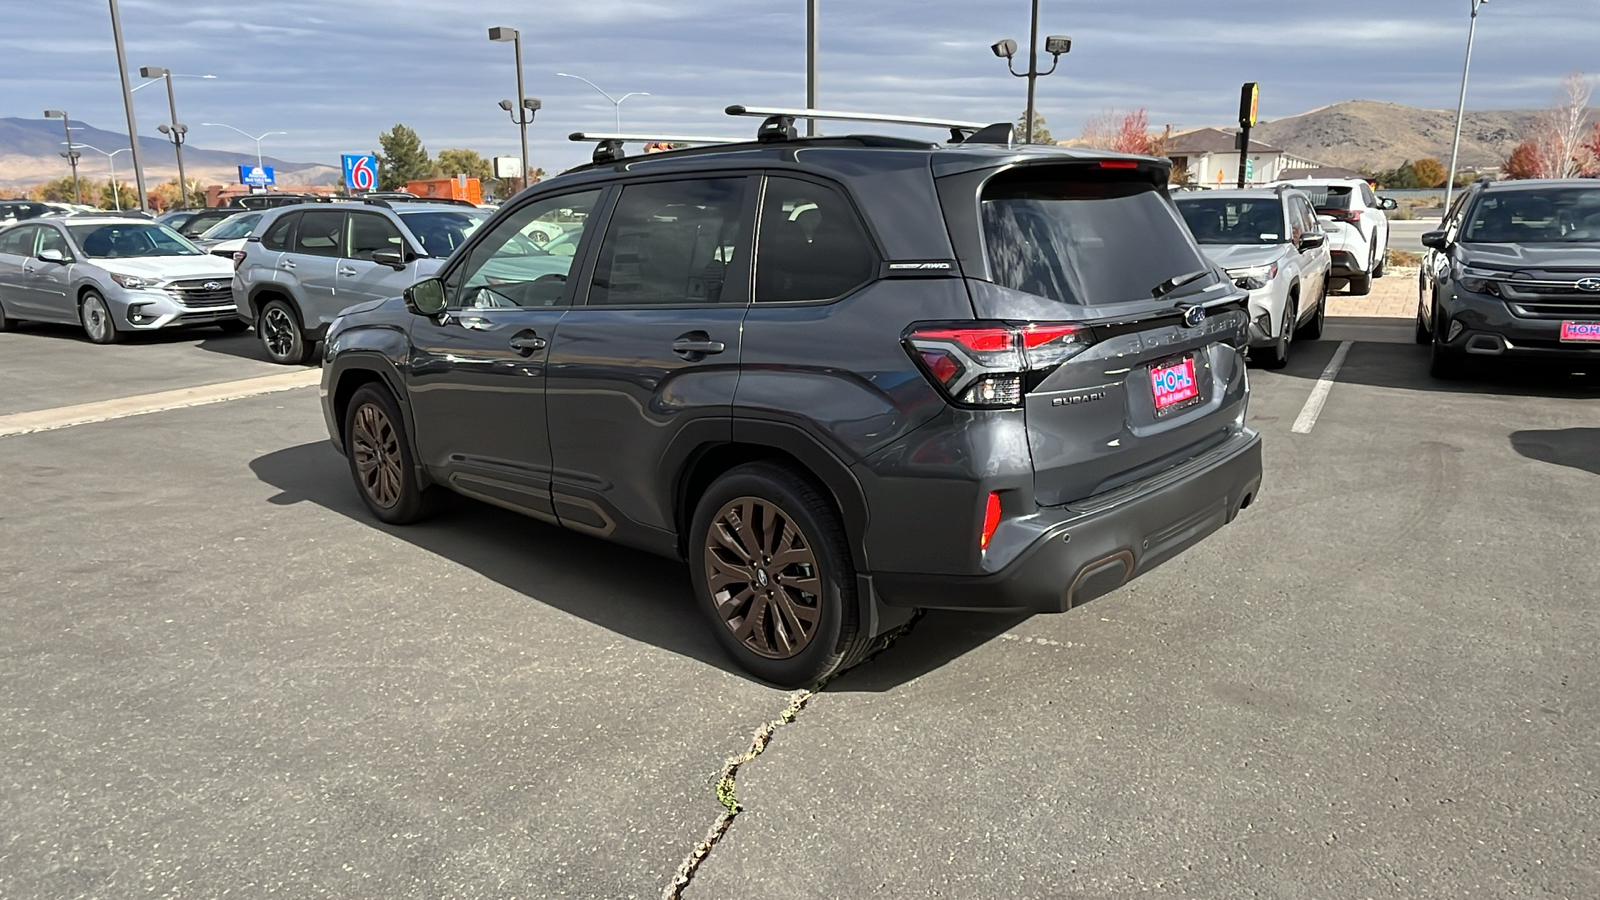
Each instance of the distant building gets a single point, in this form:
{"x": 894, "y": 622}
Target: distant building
{"x": 1211, "y": 157}
{"x": 1319, "y": 172}
{"x": 223, "y": 194}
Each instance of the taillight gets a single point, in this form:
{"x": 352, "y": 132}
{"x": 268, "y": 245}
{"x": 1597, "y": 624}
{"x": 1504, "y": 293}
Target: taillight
{"x": 988, "y": 365}
{"x": 991, "y": 520}
{"x": 1119, "y": 164}
{"x": 1352, "y": 216}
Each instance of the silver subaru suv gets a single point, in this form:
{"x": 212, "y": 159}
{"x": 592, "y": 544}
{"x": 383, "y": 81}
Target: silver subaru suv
{"x": 305, "y": 263}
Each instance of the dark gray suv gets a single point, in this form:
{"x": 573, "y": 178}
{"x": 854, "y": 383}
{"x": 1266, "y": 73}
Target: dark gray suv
{"x": 842, "y": 378}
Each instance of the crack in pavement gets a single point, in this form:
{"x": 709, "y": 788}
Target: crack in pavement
{"x": 727, "y": 781}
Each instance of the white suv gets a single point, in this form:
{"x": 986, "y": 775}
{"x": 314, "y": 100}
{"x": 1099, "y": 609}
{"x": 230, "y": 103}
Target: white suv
{"x": 1358, "y": 231}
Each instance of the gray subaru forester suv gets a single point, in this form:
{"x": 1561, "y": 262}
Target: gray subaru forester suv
{"x": 304, "y": 263}
{"x": 842, "y": 378}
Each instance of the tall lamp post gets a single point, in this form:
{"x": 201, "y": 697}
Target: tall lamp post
{"x": 253, "y": 137}
{"x": 71, "y": 153}
{"x": 1461, "y": 108}
{"x": 616, "y": 102}
{"x": 811, "y": 65}
{"x": 111, "y": 160}
{"x": 127, "y": 102}
{"x": 1055, "y": 45}
{"x": 522, "y": 111}
{"x": 174, "y": 132}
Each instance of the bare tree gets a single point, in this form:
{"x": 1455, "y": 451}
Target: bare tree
{"x": 1122, "y": 132}
{"x": 1560, "y": 132}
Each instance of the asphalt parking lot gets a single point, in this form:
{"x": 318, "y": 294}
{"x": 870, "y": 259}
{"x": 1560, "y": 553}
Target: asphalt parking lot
{"x": 220, "y": 677}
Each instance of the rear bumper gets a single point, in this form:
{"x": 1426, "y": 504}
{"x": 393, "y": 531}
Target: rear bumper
{"x": 1095, "y": 546}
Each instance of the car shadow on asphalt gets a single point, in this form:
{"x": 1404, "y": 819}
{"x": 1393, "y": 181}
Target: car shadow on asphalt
{"x": 242, "y": 345}
{"x": 641, "y": 596}
{"x": 1577, "y": 448}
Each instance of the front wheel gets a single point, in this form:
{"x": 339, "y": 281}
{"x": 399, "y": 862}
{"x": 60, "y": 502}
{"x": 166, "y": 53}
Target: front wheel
{"x": 6, "y": 322}
{"x": 772, "y": 570}
{"x": 96, "y": 317}
{"x": 232, "y": 326}
{"x": 281, "y": 334}
{"x": 1312, "y": 330}
{"x": 1424, "y": 334}
{"x": 381, "y": 460}
{"x": 1277, "y": 355}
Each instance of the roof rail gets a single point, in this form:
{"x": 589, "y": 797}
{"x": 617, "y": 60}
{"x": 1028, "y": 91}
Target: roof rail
{"x": 779, "y": 124}
{"x": 608, "y": 146}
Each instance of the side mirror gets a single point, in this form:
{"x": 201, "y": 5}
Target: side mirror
{"x": 1387, "y": 203}
{"x": 52, "y": 256}
{"x": 1435, "y": 240}
{"x": 394, "y": 259}
{"x": 1311, "y": 240}
{"x": 426, "y": 297}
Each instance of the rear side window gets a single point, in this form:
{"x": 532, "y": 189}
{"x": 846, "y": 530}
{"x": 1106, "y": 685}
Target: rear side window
{"x": 319, "y": 233}
{"x": 280, "y": 235}
{"x": 18, "y": 241}
{"x": 812, "y": 245}
{"x": 671, "y": 243}
{"x": 1083, "y": 237}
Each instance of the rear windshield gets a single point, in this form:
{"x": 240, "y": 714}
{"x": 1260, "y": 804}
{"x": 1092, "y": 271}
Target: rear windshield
{"x": 1536, "y": 216}
{"x": 1084, "y": 238}
{"x": 1234, "y": 220}
{"x": 1328, "y": 196}
{"x": 236, "y": 226}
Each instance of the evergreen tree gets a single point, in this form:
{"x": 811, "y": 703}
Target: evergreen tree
{"x": 1041, "y": 134}
{"x": 402, "y": 159}
{"x": 462, "y": 162}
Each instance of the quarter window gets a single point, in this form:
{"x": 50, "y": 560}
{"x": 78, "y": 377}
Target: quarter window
{"x": 518, "y": 264}
{"x": 280, "y": 236}
{"x": 672, "y": 243}
{"x": 812, "y": 245}
{"x": 319, "y": 233}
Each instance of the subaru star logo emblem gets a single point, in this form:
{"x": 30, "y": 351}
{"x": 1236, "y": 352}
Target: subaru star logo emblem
{"x": 212, "y": 285}
{"x": 1589, "y": 284}
{"x": 1193, "y": 316}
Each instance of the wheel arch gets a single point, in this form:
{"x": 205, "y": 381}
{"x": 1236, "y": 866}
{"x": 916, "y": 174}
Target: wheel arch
{"x": 348, "y": 374}
{"x": 261, "y": 295}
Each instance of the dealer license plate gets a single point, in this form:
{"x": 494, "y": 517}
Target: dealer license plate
{"x": 1580, "y": 332}
{"x": 1174, "y": 385}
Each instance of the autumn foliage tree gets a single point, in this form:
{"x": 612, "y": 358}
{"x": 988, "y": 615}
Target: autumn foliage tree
{"x": 1429, "y": 171}
{"x": 1523, "y": 161}
{"x": 1122, "y": 132}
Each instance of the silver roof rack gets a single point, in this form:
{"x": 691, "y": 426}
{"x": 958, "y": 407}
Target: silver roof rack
{"x": 608, "y": 145}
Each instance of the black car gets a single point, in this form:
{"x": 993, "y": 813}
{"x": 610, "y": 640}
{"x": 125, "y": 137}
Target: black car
{"x": 843, "y": 378}
{"x": 1515, "y": 272}
{"x": 191, "y": 223}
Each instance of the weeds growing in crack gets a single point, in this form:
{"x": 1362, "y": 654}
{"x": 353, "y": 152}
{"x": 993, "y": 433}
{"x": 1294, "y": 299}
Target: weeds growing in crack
{"x": 728, "y": 782}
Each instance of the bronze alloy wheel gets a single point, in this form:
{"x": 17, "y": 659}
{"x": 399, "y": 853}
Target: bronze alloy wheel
{"x": 763, "y": 577}
{"x": 375, "y": 449}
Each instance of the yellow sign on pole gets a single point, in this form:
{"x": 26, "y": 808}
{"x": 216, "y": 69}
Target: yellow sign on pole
{"x": 1249, "y": 103}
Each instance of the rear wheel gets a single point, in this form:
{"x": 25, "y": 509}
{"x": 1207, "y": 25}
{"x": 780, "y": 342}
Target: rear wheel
{"x": 1380, "y": 266}
{"x": 1360, "y": 285}
{"x": 772, "y": 570}
{"x": 281, "y": 334}
{"x": 381, "y": 459}
{"x": 96, "y": 318}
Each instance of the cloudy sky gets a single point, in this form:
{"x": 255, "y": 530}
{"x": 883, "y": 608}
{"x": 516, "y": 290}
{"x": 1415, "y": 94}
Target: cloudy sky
{"x": 334, "y": 73}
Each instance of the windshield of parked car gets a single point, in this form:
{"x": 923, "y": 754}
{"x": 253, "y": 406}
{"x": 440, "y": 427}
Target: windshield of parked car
{"x": 126, "y": 240}
{"x": 1085, "y": 238}
{"x": 441, "y": 232}
{"x": 236, "y": 226}
{"x": 1234, "y": 220}
{"x": 1328, "y": 196}
{"x": 1536, "y": 216}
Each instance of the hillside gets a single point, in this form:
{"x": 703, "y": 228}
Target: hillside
{"x": 1383, "y": 135}
{"x": 30, "y": 153}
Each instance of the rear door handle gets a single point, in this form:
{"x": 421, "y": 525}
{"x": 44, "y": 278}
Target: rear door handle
{"x": 697, "y": 345}
{"x": 286, "y": 264}
{"x": 527, "y": 343}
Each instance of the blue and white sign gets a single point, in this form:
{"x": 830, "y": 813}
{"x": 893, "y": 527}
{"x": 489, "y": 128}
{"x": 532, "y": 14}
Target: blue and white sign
{"x": 256, "y": 176}
{"x": 360, "y": 171}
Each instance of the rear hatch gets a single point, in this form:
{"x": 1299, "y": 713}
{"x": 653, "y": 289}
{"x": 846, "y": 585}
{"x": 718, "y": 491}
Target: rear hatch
{"x": 1089, "y": 263}
{"x": 1334, "y": 201}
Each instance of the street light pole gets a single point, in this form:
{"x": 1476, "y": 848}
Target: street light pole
{"x": 521, "y": 112}
{"x": 72, "y": 153}
{"x": 616, "y": 102}
{"x": 260, "y": 164}
{"x": 811, "y": 65}
{"x": 111, "y": 160}
{"x": 127, "y": 102}
{"x": 1055, "y": 45}
{"x": 1461, "y": 108}
{"x": 176, "y": 132}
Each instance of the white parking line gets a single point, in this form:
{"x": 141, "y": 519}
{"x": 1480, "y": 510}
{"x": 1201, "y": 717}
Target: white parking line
{"x": 1319, "y": 394}
{"x": 106, "y": 410}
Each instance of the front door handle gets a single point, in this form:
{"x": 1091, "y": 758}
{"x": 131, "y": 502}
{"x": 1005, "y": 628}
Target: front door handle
{"x": 346, "y": 270}
{"x": 527, "y": 343}
{"x": 697, "y": 345}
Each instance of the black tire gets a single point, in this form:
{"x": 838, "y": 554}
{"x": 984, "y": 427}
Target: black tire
{"x": 1277, "y": 355}
{"x": 278, "y": 326}
{"x": 1382, "y": 266}
{"x": 233, "y": 326}
{"x": 1444, "y": 363}
{"x": 6, "y": 322}
{"x": 1312, "y": 330}
{"x": 95, "y": 316}
{"x": 1360, "y": 285}
{"x": 810, "y": 533}
{"x": 382, "y": 463}
{"x": 1424, "y": 334}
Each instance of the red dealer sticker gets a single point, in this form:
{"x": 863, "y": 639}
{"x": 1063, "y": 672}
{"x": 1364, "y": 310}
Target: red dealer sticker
{"x": 1174, "y": 384}
{"x": 1580, "y": 332}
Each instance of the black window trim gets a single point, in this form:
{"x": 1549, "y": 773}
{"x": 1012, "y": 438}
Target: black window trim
{"x": 875, "y": 245}
{"x": 752, "y": 211}
{"x": 580, "y": 258}
{"x": 395, "y": 223}
{"x": 291, "y": 234}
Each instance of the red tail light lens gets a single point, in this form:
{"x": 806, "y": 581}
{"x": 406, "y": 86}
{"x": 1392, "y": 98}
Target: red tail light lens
{"x": 1341, "y": 215}
{"x": 991, "y": 520}
{"x": 983, "y": 364}
{"x": 1119, "y": 164}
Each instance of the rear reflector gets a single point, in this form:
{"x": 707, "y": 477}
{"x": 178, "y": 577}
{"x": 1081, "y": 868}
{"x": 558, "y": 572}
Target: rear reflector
{"x": 991, "y": 520}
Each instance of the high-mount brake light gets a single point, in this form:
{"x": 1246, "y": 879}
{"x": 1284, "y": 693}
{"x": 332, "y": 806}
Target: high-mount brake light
{"x": 1118, "y": 164}
{"x": 991, "y": 520}
{"x": 985, "y": 364}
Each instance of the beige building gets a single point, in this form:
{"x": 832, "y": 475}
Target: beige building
{"x": 1211, "y": 157}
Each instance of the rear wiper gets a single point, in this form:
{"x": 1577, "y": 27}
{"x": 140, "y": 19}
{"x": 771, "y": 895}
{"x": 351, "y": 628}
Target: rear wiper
{"x": 1177, "y": 281}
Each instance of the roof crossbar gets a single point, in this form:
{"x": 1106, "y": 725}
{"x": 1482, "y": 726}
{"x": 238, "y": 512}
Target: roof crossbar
{"x": 608, "y": 146}
{"x": 779, "y": 124}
